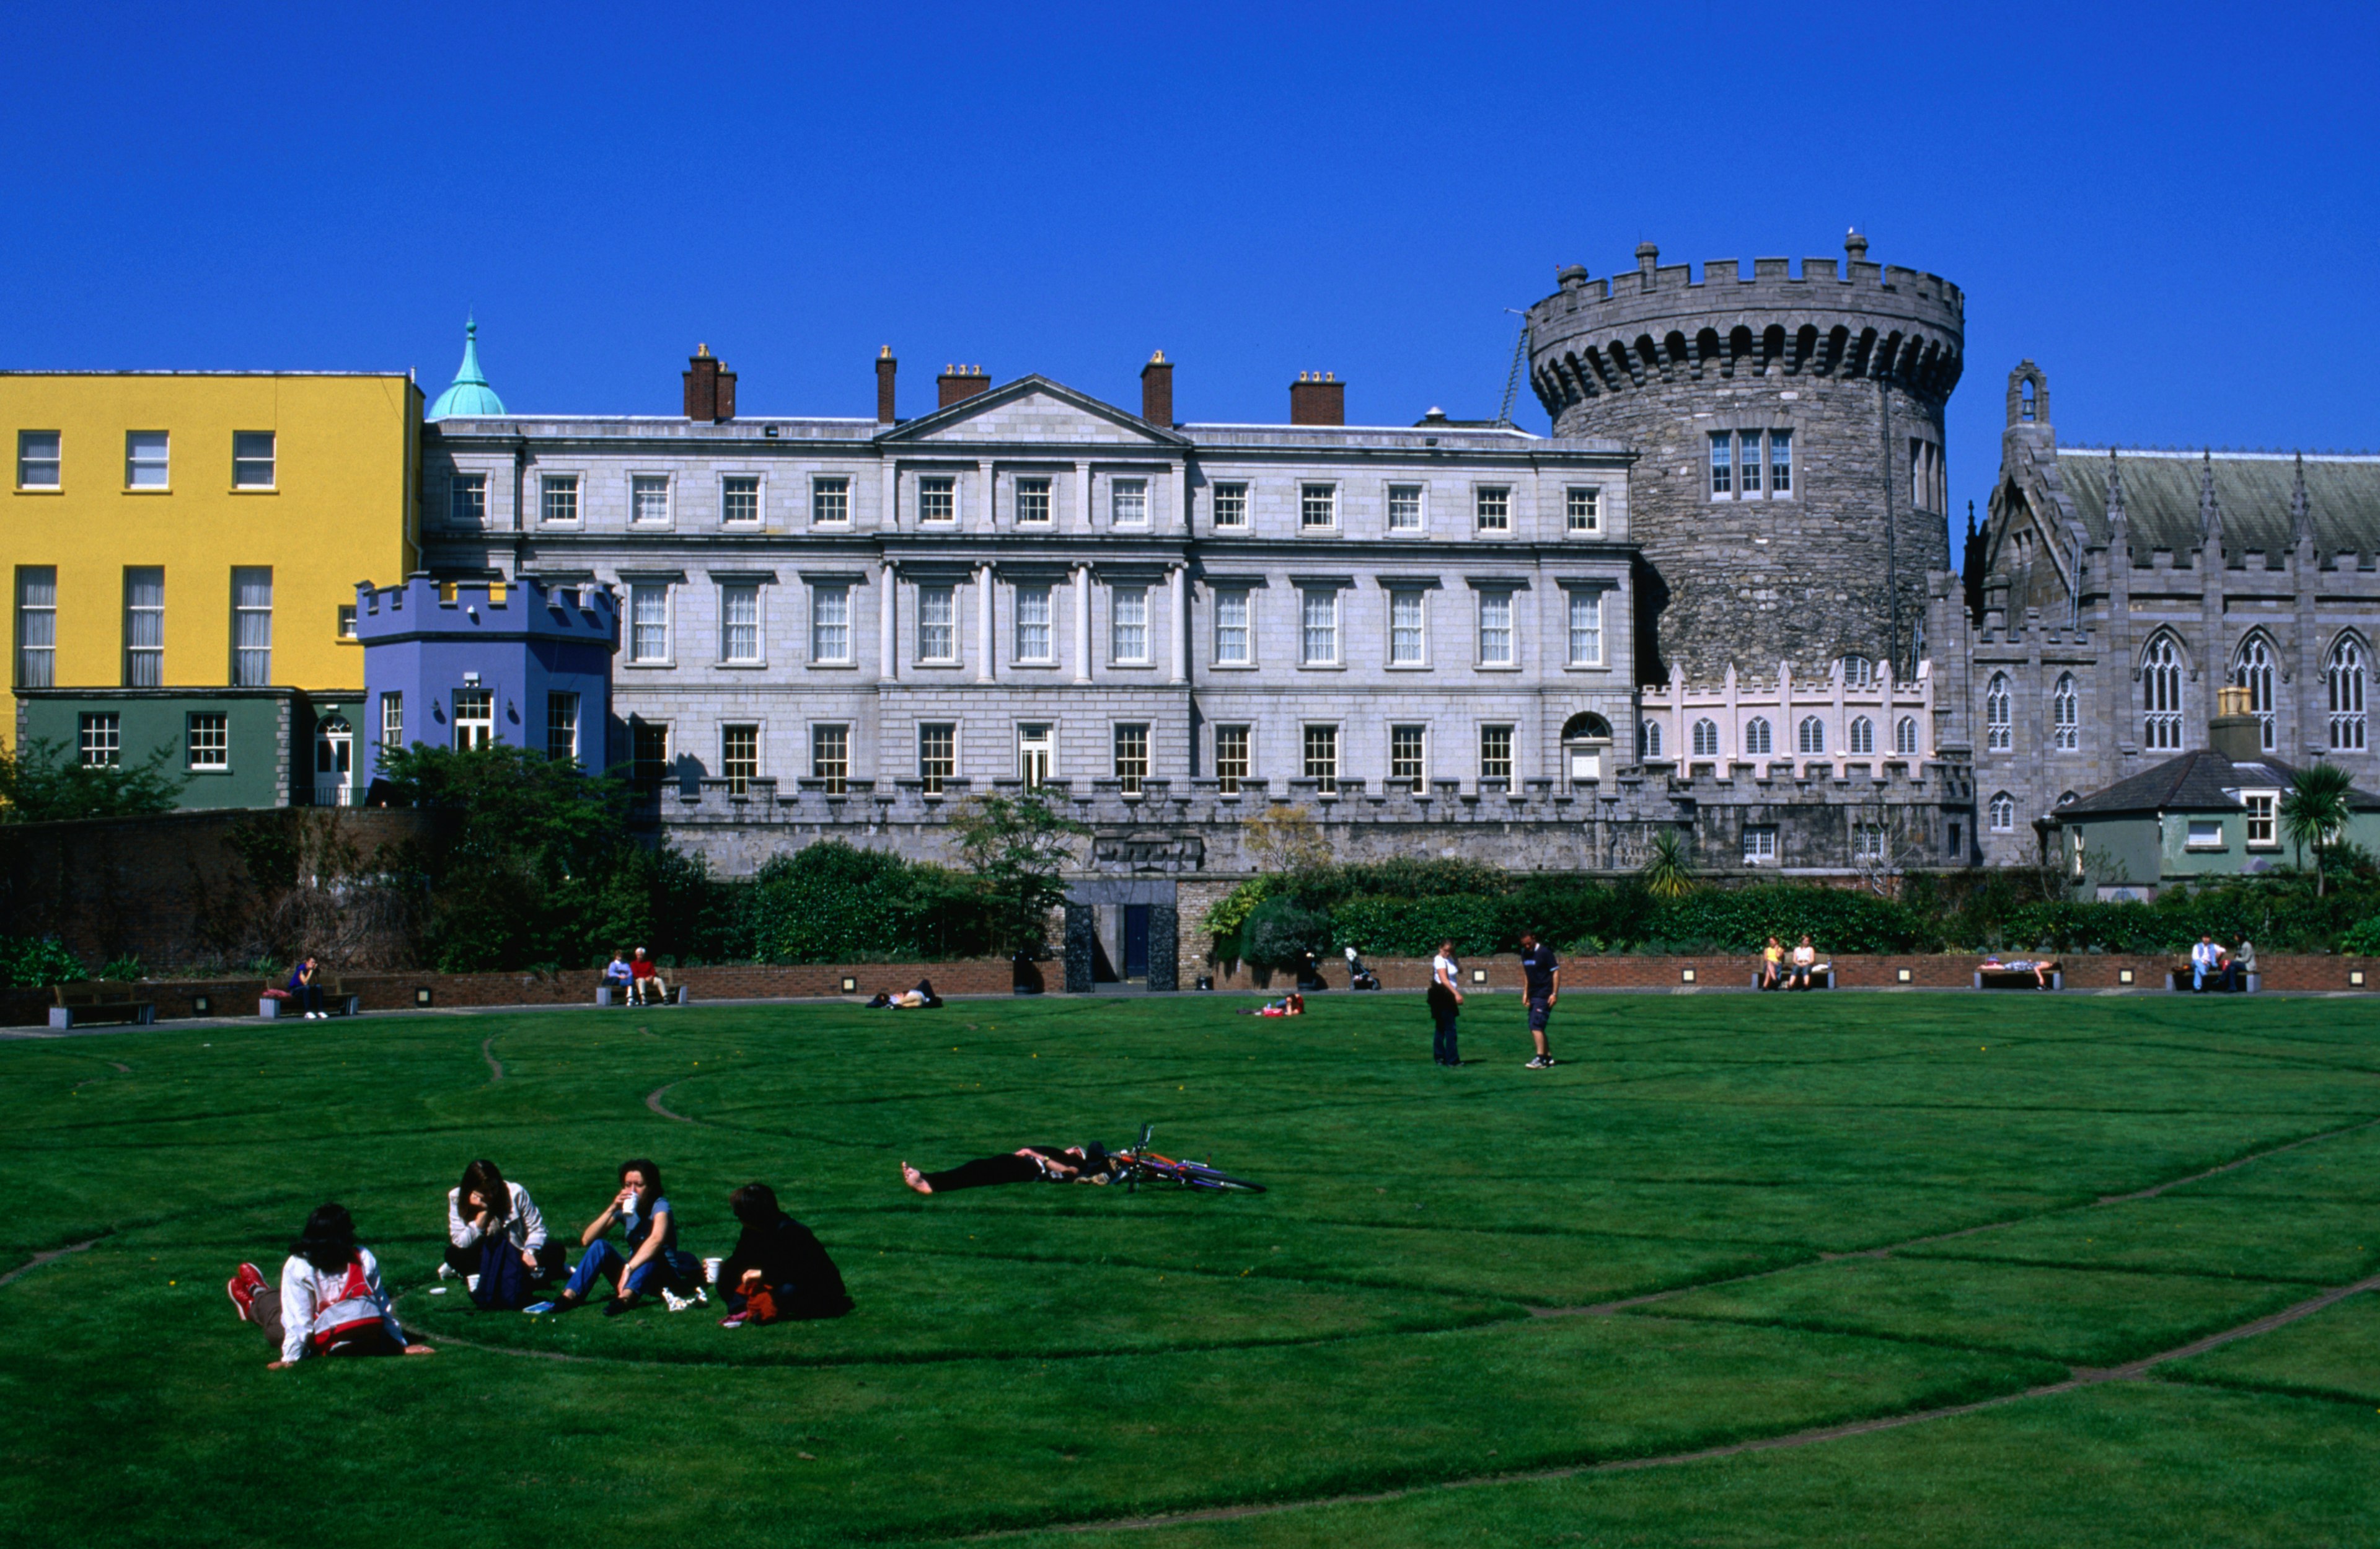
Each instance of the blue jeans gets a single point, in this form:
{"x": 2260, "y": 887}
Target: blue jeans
{"x": 2198, "y": 973}
{"x": 603, "y": 1262}
{"x": 1441, "y": 1038}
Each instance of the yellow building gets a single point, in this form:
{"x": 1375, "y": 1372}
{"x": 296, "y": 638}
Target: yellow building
{"x": 183, "y": 549}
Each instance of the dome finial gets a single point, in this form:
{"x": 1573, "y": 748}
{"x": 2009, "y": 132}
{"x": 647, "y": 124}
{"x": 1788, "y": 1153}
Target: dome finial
{"x": 470, "y": 397}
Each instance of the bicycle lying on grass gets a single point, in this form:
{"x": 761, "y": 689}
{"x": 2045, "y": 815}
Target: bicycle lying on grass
{"x": 1136, "y": 1164}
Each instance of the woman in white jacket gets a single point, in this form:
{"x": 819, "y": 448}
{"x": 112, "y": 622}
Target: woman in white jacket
{"x": 329, "y": 1301}
{"x": 496, "y": 1238}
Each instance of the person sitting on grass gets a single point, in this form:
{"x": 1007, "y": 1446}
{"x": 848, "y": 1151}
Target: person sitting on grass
{"x": 329, "y": 1301}
{"x": 619, "y": 978}
{"x": 646, "y": 985}
{"x": 1082, "y": 1164}
{"x": 1772, "y": 960}
{"x": 496, "y": 1240}
{"x": 653, "y": 1263}
{"x": 305, "y": 988}
{"x": 779, "y": 1269}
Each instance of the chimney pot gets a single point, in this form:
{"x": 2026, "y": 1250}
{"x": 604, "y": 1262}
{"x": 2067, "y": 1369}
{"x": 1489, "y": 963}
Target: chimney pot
{"x": 1854, "y": 245}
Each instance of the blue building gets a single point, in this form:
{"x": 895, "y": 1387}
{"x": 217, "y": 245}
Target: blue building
{"x": 468, "y": 663}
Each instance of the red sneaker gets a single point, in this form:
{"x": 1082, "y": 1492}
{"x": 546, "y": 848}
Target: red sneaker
{"x": 242, "y": 1288}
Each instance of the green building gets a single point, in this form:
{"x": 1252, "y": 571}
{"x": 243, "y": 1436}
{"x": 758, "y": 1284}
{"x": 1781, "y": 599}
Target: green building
{"x": 267, "y": 747}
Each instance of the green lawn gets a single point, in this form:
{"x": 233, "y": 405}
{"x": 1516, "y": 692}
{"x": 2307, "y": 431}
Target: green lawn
{"x": 1362, "y": 1347}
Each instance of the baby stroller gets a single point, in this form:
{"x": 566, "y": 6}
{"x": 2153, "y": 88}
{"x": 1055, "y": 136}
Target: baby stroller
{"x": 1358, "y": 976}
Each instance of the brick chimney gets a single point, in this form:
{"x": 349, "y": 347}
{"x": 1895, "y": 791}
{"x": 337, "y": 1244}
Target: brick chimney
{"x": 958, "y": 383}
{"x": 1318, "y": 398}
{"x": 709, "y": 387}
{"x": 885, "y": 367}
{"x": 1157, "y": 390}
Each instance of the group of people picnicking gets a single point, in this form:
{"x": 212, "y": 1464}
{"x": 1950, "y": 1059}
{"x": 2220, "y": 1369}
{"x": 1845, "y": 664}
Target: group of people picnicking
{"x": 638, "y": 977}
{"x": 329, "y": 1301}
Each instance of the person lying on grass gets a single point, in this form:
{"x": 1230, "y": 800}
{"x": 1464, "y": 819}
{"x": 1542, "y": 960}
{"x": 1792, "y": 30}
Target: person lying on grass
{"x": 1082, "y": 1164}
{"x": 653, "y": 1263}
{"x": 1289, "y": 1005}
{"x": 329, "y": 1302}
{"x": 496, "y": 1240}
{"x": 779, "y": 1269}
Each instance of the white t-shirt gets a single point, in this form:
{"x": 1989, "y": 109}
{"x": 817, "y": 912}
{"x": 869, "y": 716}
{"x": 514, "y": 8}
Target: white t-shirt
{"x": 1803, "y": 956}
{"x": 1446, "y": 971}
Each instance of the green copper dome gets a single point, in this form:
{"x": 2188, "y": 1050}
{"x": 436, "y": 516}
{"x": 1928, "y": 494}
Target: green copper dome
{"x": 470, "y": 396}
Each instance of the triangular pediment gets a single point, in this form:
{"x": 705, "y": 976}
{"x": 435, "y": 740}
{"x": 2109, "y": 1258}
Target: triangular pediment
{"x": 1033, "y": 411}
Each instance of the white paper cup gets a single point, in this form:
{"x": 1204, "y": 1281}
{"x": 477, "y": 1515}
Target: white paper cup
{"x": 711, "y": 1270}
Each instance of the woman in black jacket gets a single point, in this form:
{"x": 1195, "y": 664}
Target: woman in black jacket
{"x": 779, "y": 1269}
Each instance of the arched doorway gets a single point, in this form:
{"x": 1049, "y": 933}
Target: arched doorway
{"x": 1586, "y": 744}
{"x": 334, "y": 763}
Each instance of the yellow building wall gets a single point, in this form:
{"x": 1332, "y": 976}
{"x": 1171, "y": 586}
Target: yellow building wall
{"x": 341, "y": 511}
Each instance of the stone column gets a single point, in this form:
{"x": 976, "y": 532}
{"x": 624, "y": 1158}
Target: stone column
{"x": 1082, "y": 624}
{"x": 1083, "y": 497}
{"x": 887, "y": 514}
{"x": 887, "y": 595}
{"x": 1164, "y": 946}
{"x": 983, "y": 472}
{"x": 983, "y": 633}
{"x": 1082, "y": 949}
{"x": 1178, "y": 623}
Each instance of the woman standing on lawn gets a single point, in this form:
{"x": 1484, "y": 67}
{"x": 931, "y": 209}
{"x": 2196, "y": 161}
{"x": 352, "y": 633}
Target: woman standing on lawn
{"x": 329, "y": 1301}
{"x": 1445, "y": 1004}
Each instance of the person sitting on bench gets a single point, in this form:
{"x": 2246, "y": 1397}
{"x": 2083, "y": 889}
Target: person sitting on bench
{"x": 647, "y": 986}
{"x": 329, "y": 1301}
{"x": 305, "y": 988}
{"x": 2242, "y": 963}
{"x": 1772, "y": 966}
{"x": 2205, "y": 962}
{"x": 619, "y": 978}
{"x": 779, "y": 1268}
{"x": 1805, "y": 963}
{"x": 1082, "y": 1164}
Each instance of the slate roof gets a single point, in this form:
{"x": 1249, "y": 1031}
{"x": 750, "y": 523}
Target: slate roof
{"x": 2200, "y": 782}
{"x": 2252, "y": 489}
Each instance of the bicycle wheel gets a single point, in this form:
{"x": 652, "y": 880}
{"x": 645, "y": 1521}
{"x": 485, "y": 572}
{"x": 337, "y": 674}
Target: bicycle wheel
{"x": 1195, "y": 1176}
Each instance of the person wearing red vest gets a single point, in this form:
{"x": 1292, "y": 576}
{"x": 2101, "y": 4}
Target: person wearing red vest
{"x": 329, "y": 1301}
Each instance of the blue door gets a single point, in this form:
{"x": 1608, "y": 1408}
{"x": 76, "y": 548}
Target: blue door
{"x": 1136, "y": 941}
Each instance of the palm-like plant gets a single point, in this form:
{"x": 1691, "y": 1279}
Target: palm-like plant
{"x": 1668, "y": 872}
{"x": 2315, "y": 812}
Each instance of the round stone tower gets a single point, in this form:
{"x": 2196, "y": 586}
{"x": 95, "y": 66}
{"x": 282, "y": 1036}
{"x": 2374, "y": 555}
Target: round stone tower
{"x": 1790, "y": 494}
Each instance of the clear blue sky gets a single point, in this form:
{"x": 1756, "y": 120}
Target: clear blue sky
{"x": 2175, "y": 210}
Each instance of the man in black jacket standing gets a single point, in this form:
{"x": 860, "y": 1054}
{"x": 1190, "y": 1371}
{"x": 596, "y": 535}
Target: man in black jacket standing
{"x": 779, "y": 1268}
{"x": 1542, "y": 987}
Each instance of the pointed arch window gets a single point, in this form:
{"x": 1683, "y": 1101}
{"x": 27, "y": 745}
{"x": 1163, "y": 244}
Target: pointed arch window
{"x": 1759, "y": 741}
{"x": 2065, "y": 715}
{"x": 1706, "y": 739}
{"x": 1999, "y": 715}
{"x": 2343, "y": 680}
{"x": 1648, "y": 739}
{"x": 1904, "y": 737}
{"x": 2252, "y": 670}
{"x": 2003, "y": 814}
{"x": 1813, "y": 735}
{"x": 1863, "y": 737}
{"x": 2161, "y": 695}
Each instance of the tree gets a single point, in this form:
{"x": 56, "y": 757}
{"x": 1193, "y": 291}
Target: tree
{"x": 42, "y": 782}
{"x": 2314, "y": 812}
{"x": 1284, "y": 838}
{"x": 1016, "y": 846}
{"x": 1668, "y": 872}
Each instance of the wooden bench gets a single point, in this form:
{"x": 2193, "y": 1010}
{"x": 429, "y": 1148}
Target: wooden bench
{"x": 1822, "y": 977}
{"x": 100, "y": 1000}
{"x": 606, "y": 994}
{"x": 2017, "y": 979}
{"x": 337, "y": 1002}
{"x": 2178, "y": 973}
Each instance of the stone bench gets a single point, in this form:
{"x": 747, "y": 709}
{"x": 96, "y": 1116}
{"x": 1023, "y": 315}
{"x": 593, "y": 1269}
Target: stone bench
{"x": 337, "y": 1002}
{"x": 100, "y": 1000}
{"x": 2017, "y": 979}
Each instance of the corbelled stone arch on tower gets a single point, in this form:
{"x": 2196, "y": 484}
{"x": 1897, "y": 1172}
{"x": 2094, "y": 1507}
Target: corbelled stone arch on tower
{"x": 2028, "y": 394}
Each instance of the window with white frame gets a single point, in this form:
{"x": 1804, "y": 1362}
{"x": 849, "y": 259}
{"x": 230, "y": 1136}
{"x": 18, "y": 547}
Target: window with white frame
{"x": 1867, "y": 841}
{"x": 1231, "y": 506}
{"x": 1496, "y": 629}
{"x": 1322, "y": 757}
{"x": 206, "y": 735}
{"x": 831, "y": 621}
{"x": 251, "y": 460}
{"x": 251, "y": 627}
{"x": 937, "y": 749}
{"x": 1404, "y": 507}
{"x": 2342, "y": 678}
{"x": 392, "y": 721}
{"x": 1703, "y": 741}
{"x": 1759, "y": 738}
{"x": 1780, "y": 462}
{"x": 475, "y": 719}
{"x": 466, "y": 500}
{"x": 2161, "y": 695}
{"x": 1131, "y": 754}
{"x": 1583, "y": 508}
{"x": 1858, "y": 672}
{"x": 1033, "y": 503}
{"x": 1494, "y": 506}
{"x": 1904, "y": 735}
{"x": 1406, "y": 635}
{"x": 2262, "y": 806}
{"x": 1998, "y": 713}
{"x": 938, "y": 624}
{"x": 144, "y": 627}
{"x": 1318, "y": 628}
{"x": 38, "y": 462}
{"x": 344, "y": 621}
{"x": 1408, "y": 767}
{"x": 1723, "y": 466}
{"x": 1648, "y": 738}
{"x": 739, "y": 500}
{"x": 99, "y": 739}
{"x": 2003, "y": 814}
{"x": 1232, "y": 636}
{"x": 649, "y": 502}
{"x": 739, "y": 623}
{"x": 1036, "y": 642}
{"x": 1231, "y": 758}
{"x": 831, "y": 502}
{"x": 1739, "y": 471}
{"x": 1128, "y": 502}
{"x": 147, "y": 459}
{"x": 562, "y": 726}
{"x": 739, "y": 756}
{"x": 1318, "y": 505}
{"x": 649, "y": 621}
{"x": 1759, "y": 844}
{"x": 2065, "y": 716}
{"x": 1812, "y": 738}
{"x": 1496, "y": 753}
{"x": 2204, "y": 834}
{"x": 831, "y": 757}
{"x": 1863, "y": 735}
{"x": 1586, "y": 629}
{"x": 938, "y": 497}
{"x": 557, "y": 498}
{"x": 1128, "y": 619}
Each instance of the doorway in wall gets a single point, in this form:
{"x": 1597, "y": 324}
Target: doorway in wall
{"x": 1136, "y": 941}
{"x": 335, "y": 764}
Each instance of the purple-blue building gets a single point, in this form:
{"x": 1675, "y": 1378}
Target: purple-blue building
{"x": 465, "y": 664}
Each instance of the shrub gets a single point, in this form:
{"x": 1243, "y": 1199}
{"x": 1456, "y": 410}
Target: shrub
{"x": 2363, "y": 938}
{"x": 833, "y": 903}
{"x": 1282, "y": 930}
{"x": 1414, "y": 927}
{"x": 37, "y": 962}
